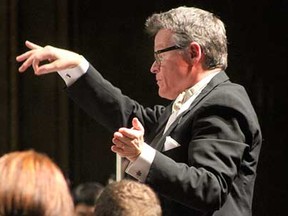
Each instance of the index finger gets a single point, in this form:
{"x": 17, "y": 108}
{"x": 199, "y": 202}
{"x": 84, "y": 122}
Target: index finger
{"x": 31, "y": 45}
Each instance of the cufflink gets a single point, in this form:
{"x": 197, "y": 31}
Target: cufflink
{"x": 138, "y": 173}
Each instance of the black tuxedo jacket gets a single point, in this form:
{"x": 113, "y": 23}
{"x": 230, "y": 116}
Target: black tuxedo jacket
{"x": 213, "y": 170}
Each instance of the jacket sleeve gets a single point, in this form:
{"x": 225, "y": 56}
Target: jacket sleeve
{"x": 107, "y": 105}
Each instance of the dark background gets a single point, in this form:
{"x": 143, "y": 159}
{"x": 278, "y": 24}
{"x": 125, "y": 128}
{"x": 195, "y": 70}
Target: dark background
{"x": 36, "y": 113}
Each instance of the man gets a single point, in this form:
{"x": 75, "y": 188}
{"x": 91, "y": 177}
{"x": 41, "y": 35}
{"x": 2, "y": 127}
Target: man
{"x": 200, "y": 153}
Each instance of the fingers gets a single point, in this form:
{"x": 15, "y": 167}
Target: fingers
{"x": 31, "y": 45}
{"x": 129, "y": 141}
{"x": 24, "y": 56}
{"x": 124, "y": 150}
{"x": 117, "y": 150}
{"x": 136, "y": 131}
{"x": 122, "y": 141}
{"x": 43, "y": 69}
{"x": 29, "y": 56}
{"x": 32, "y": 59}
{"x": 129, "y": 133}
{"x": 27, "y": 63}
{"x": 121, "y": 137}
{"x": 35, "y": 57}
{"x": 47, "y": 59}
{"x": 117, "y": 140}
{"x": 137, "y": 124}
{"x": 121, "y": 144}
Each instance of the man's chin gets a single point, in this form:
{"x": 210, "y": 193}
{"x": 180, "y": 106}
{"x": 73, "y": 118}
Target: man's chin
{"x": 164, "y": 95}
{"x": 160, "y": 93}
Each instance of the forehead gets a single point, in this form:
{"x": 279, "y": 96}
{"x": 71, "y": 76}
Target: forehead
{"x": 163, "y": 38}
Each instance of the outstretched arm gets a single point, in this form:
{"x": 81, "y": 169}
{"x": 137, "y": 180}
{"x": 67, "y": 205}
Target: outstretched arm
{"x": 57, "y": 59}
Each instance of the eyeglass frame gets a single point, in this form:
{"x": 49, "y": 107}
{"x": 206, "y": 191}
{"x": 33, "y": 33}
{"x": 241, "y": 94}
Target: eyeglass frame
{"x": 157, "y": 58}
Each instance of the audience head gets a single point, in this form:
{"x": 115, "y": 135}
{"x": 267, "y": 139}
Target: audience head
{"x": 128, "y": 198}
{"x": 85, "y": 196}
{"x": 31, "y": 184}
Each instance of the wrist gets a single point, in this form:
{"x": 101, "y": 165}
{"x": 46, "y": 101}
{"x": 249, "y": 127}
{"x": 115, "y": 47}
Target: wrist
{"x": 133, "y": 158}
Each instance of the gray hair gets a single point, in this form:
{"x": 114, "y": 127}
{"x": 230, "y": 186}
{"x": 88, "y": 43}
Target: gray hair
{"x": 190, "y": 24}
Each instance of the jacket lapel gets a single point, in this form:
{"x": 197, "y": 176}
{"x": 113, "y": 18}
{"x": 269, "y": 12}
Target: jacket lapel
{"x": 156, "y": 136}
{"x": 218, "y": 79}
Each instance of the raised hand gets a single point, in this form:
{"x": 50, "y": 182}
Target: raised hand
{"x": 129, "y": 142}
{"x": 47, "y": 59}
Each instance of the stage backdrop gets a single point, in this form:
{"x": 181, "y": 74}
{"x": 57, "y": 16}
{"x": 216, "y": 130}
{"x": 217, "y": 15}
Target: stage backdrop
{"x": 36, "y": 113}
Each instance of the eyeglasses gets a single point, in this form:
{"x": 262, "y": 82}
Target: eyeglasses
{"x": 158, "y": 58}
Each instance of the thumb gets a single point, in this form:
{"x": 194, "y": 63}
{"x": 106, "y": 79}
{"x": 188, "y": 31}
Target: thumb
{"x": 137, "y": 124}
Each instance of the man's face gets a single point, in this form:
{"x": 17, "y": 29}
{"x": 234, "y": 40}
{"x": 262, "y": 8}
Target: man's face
{"x": 172, "y": 70}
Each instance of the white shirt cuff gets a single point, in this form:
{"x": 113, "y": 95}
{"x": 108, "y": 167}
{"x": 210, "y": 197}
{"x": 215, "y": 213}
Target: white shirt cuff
{"x": 139, "y": 169}
{"x": 72, "y": 74}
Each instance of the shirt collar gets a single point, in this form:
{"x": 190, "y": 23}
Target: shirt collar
{"x": 195, "y": 89}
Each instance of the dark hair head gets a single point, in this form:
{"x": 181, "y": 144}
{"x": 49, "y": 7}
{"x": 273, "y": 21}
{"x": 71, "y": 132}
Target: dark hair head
{"x": 87, "y": 193}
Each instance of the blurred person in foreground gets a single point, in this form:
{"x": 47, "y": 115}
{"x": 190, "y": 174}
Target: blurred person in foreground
{"x": 128, "y": 198}
{"x": 31, "y": 184}
{"x": 199, "y": 153}
{"x": 85, "y": 196}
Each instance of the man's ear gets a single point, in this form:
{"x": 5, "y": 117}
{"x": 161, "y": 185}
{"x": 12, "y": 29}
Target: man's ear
{"x": 195, "y": 51}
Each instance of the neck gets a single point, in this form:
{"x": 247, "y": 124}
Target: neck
{"x": 203, "y": 74}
